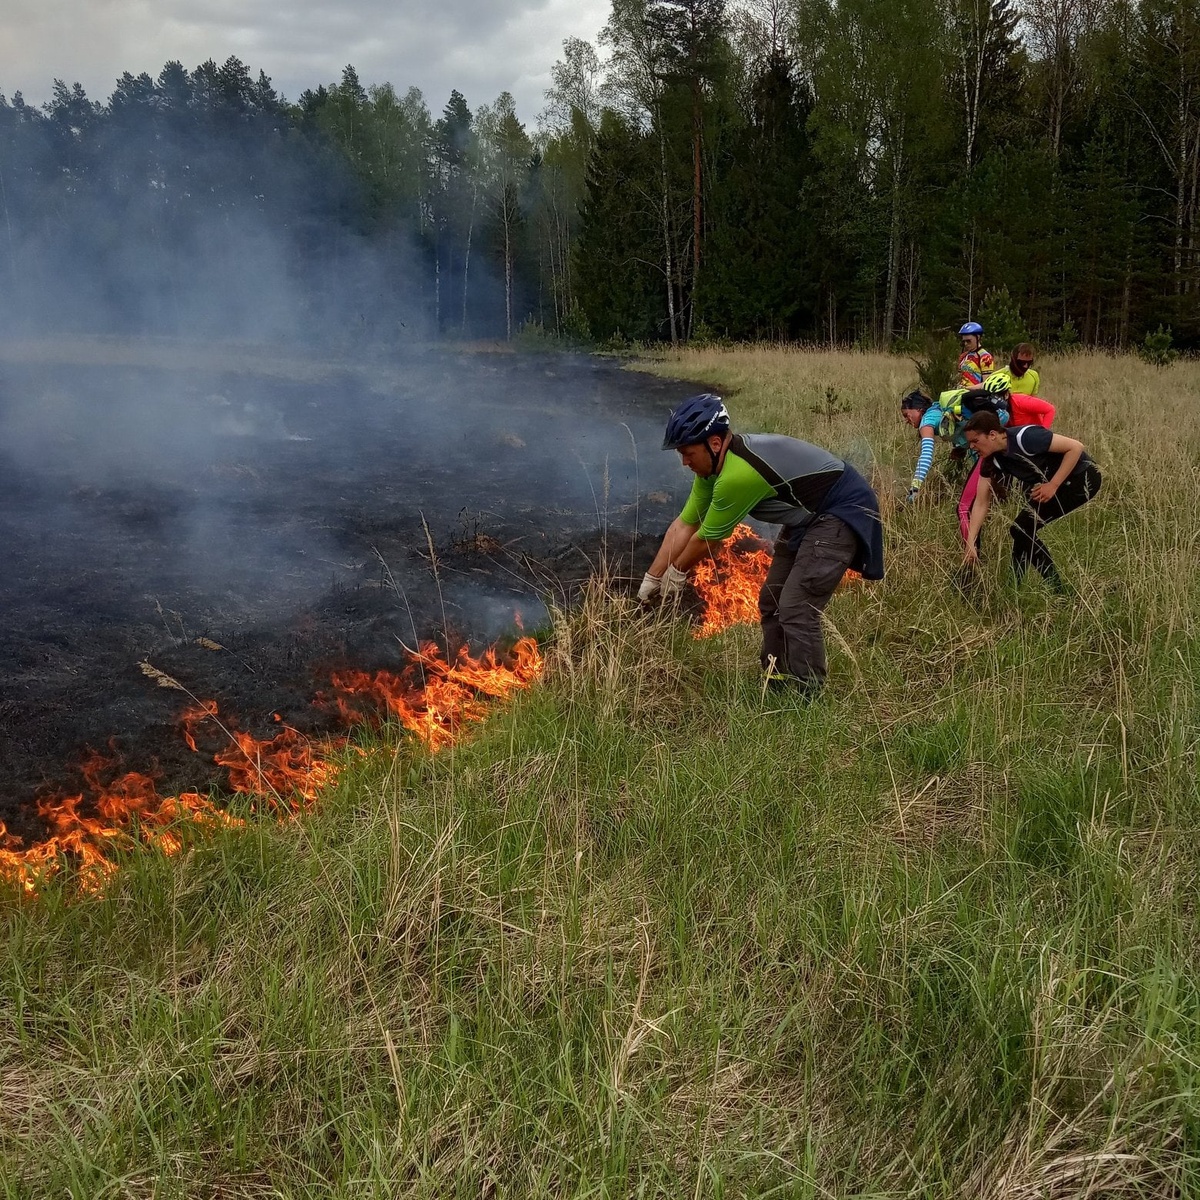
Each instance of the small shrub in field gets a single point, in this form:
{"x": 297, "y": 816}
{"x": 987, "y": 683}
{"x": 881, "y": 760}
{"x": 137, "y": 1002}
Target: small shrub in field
{"x": 1001, "y": 321}
{"x": 704, "y": 335}
{"x": 576, "y": 326}
{"x": 937, "y": 368}
{"x": 831, "y": 405}
{"x": 1066, "y": 340}
{"x": 533, "y": 335}
{"x": 1157, "y": 349}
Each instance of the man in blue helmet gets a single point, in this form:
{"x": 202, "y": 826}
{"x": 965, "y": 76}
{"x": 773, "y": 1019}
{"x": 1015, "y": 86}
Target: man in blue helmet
{"x": 828, "y": 513}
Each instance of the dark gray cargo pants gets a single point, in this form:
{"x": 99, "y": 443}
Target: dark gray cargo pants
{"x": 796, "y": 590}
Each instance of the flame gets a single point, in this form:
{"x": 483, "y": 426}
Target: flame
{"x": 433, "y": 698}
{"x": 118, "y": 809}
{"x": 729, "y": 582}
{"x": 288, "y": 770}
{"x": 127, "y": 809}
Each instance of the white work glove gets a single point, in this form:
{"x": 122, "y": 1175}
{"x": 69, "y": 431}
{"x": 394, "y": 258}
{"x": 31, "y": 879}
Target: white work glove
{"x": 673, "y": 582}
{"x": 650, "y": 587}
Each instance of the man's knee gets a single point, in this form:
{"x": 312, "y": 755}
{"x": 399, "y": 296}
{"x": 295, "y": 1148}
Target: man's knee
{"x": 800, "y": 610}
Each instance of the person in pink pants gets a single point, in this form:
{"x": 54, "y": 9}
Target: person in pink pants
{"x": 946, "y": 418}
{"x": 1022, "y": 410}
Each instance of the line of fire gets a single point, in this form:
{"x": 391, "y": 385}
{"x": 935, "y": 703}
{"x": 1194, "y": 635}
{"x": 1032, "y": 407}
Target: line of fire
{"x": 434, "y": 699}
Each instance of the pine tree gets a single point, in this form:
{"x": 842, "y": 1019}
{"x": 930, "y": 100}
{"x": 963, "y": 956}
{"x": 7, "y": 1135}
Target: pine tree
{"x": 617, "y": 263}
{"x": 759, "y": 279}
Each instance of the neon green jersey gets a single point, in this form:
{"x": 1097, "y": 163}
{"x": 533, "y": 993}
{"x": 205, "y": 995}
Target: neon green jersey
{"x": 777, "y": 479}
{"x": 1026, "y": 384}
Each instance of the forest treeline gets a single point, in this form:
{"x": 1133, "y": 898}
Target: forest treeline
{"x": 827, "y": 170}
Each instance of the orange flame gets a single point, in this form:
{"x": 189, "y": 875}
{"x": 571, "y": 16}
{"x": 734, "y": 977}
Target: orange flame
{"x": 434, "y": 698}
{"x": 729, "y": 582}
{"x": 431, "y": 697}
{"x": 127, "y": 809}
{"x": 288, "y": 770}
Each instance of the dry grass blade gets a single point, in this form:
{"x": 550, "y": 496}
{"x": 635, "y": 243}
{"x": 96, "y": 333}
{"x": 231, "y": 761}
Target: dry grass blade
{"x": 209, "y": 644}
{"x": 160, "y": 677}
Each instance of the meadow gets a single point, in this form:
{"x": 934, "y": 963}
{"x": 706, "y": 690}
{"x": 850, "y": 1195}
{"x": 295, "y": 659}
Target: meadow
{"x": 649, "y": 931}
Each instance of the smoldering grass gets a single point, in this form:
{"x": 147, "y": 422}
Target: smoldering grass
{"x": 637, "y": 490}
{"x": 648, "y": 932}
{"x": 399, "y": 592}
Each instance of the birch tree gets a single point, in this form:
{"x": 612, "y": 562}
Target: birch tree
{"x": 695, "y": 30}
{"x": 982, "y": 33}
{"x": 636, "y": 87}
{"x": 505, "y": 157}
{"x": 1057, "y": 32}
{"x": 876, "y": 78}
{"x": 1168, "y": 99}
{"x": 569, "y": 125}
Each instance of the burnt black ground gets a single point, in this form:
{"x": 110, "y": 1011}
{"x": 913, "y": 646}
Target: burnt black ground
{"x": 288, "y": 513}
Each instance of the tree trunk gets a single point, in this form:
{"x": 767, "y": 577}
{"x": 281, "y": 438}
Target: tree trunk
{"x": 971, "y": 273}
{"x": 507, "y": 272}
{"x": 12, "y": 256}
{"x": 1190, "y": 169}
{"x": 893, "y": 283}
{"x": 552, "y": 247}
{"x": 971, "y": 59}
{"x": 1181, "y": 181}
{"x": 1061, "y": 84}
{"x": 697, "y": 129}
{"x": 1126, "y": 300}
{"x": 437, "y": 284}
{"x": 914, "y": 259}
{"x": 666, "y": 232}
{"x": 564, "y": 253}
{"x": 467, "y": 255}
{"x": 1189, "y": 223}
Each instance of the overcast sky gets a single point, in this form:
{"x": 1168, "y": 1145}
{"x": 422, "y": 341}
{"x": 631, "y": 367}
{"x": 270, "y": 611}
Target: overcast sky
{"x": 481, "y": 47}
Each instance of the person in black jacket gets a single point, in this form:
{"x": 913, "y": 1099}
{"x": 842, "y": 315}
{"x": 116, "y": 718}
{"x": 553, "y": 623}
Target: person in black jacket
{"x": 1054, "y": 471}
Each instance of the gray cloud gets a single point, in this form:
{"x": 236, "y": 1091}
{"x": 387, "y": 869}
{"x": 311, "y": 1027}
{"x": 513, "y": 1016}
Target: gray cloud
{"x": 481, "y": 47}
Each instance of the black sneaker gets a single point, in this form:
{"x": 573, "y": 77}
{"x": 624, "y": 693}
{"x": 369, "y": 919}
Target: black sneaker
{"x": 789, "y": 685}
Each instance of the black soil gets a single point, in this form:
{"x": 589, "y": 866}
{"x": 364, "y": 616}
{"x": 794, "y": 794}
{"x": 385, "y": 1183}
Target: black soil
{"x": 303, "y": 520}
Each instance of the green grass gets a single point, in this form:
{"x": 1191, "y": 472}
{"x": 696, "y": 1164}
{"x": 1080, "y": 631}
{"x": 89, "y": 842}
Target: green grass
{"x": 650, "y": 932}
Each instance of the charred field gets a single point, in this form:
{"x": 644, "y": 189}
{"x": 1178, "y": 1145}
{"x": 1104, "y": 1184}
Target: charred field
{"x": 248, "y": 525}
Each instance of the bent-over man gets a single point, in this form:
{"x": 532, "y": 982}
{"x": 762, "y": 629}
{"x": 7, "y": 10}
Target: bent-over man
{"x": 828, "y": 513}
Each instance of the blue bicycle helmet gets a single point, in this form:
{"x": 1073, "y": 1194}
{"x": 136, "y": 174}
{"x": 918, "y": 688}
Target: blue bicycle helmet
{"x": 696, "y": 419}
{"x": 972, "y": 327}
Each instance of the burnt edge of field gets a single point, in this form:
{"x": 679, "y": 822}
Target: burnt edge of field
{"x": 263, "y": 673}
